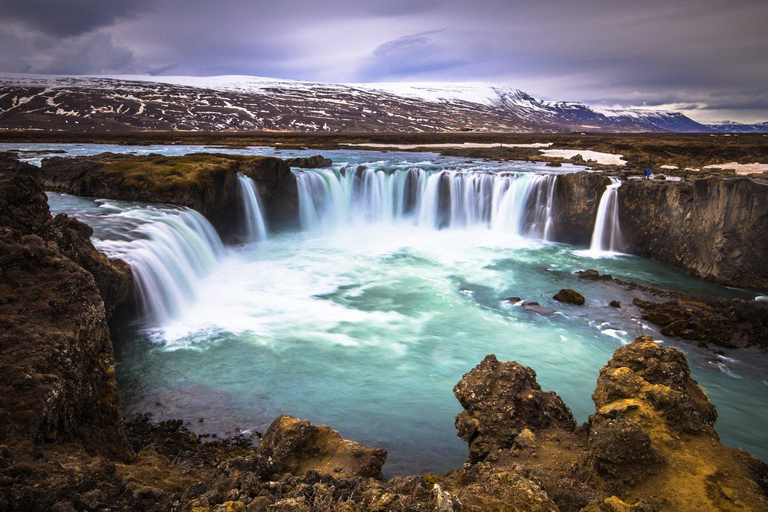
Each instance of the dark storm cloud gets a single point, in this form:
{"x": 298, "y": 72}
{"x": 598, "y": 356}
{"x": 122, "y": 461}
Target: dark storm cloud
{"x": 711, "y": 53}
{"x": 69, "y": 17}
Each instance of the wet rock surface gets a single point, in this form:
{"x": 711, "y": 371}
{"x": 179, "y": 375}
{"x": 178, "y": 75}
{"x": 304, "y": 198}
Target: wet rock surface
{"x": 311, "y": 162}
{"x": 732, "y": 323}
{"x": 728, "y": 323}
{"x": 569, "y": 297}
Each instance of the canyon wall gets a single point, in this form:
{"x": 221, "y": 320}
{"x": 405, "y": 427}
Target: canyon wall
{"x": 714, "y": 228}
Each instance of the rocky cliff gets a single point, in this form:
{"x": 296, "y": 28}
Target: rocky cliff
{"x": 714, "y": 228}
{"x": 204, "y": 182}
{"x": 57, "y": 382}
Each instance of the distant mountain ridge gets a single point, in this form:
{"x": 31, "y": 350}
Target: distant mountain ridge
{"x": 238, "y": 103}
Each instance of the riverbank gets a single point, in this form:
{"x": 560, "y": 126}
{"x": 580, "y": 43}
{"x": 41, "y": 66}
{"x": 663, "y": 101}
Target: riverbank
{"x": 661, "y": 151}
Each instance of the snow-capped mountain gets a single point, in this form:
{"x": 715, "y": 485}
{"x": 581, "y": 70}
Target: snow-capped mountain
{"x": 129, "y": 103}
{"x": 734, "y": 127}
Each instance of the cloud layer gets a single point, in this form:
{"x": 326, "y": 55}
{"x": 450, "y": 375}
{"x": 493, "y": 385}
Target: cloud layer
{"x": 709, "y": 56}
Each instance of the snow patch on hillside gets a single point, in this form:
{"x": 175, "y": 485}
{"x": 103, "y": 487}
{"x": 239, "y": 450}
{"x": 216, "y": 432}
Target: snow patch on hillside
{"x": 595, "y": 156}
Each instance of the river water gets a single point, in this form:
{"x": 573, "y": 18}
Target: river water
{"x": 367, "y": 317}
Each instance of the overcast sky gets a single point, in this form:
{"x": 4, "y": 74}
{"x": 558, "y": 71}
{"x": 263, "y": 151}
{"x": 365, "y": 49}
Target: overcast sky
{"x": 708, "y": 58}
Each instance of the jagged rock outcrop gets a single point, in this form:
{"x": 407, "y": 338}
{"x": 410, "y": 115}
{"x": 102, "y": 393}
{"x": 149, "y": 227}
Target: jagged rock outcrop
{"x": 58, "y": 372}
{"x": 706, "y": 320}
{"x": 298, "y": 446}
{"x": 653, "y": 438}
{"x": 728, "y": 323}
{"x": 204, "y": 182}
{"x": 500, "y": 401}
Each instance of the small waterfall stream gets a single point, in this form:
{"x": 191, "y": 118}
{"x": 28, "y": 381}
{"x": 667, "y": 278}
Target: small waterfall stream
{"x": 606, "y": 237}
{"x": 516, "y": 203}
{"x": 253, "y": 211}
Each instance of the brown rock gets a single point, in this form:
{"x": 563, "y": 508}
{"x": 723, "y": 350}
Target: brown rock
{"x": 312, "y": 162}
{"x": 569, "y": 296}
{"x": 58, "y": 372}
{"x": 729, "y": 323}
{"x": 500, "y": 400}
{"x": 298, "y": 446}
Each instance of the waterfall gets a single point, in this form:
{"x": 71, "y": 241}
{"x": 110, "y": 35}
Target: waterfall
{"x": 520, "y": 204}
{"x": 255, "y": 227}
{"x": 175, "y": 249}
{"x": 606, "y": 236}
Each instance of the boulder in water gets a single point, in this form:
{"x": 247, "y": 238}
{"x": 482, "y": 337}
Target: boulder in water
{"x": 615, "y": 304}
{"x": 535, "y": 307}
{"x": 570, "y": 297}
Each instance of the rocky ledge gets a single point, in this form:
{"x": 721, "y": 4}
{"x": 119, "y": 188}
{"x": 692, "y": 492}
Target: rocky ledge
{"x": 715, "y": 228}
{"x": 204, "y": 182}
{"x": 731, "y": 323}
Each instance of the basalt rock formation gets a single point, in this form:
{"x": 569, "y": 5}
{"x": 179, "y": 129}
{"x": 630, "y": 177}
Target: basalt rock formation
{"x": 732, "y": 323}
{"x": 715, "y": 228}
{"x": 712, "y": 228}
{"x": 577, "y": 197}
{"x": 312, "y": 162}
{"x": 204, "y": 182}
{"x": 727, "y": 323}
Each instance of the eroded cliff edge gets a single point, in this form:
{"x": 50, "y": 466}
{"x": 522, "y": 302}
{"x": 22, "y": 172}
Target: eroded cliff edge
{"x": 715, "y": 228}
{"x": 204, "y": 182}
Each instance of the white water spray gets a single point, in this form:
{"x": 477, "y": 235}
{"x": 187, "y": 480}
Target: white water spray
{"x": 177, "y": 248}
{"x": 520, "y": 204}
{"x": 255, "y": 226}
{"x": 606, "y": 236}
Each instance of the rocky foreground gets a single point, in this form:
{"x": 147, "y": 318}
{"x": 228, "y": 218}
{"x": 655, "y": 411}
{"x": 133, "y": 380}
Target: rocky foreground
{"x": 651, "y": 444}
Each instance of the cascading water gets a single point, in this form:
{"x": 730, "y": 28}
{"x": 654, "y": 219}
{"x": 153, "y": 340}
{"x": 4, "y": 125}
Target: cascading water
{"x": 517, "y": 203}
{"x": 253, "y": 211}
{"x": 606, "y": 236}
{"x": 176, "y": 249}
{"x": 340, "y": 326}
